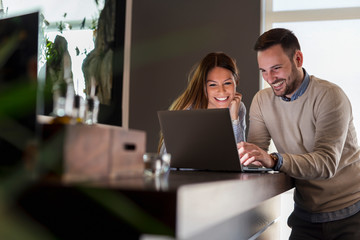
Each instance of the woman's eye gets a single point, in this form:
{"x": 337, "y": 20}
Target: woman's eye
{"x": 212, "y": 85}
{"x": 228, "y": 83}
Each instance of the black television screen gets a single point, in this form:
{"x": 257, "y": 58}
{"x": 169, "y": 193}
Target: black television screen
{"x": 18, "y": 84}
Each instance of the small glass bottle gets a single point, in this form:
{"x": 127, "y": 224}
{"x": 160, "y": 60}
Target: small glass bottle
{"x": 63, "y": 103}
{"x": 78, "y": 110}
{"x": 92, "y": 110}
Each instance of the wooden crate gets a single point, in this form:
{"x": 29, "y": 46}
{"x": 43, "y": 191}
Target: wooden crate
{"x": 102, "y": 151}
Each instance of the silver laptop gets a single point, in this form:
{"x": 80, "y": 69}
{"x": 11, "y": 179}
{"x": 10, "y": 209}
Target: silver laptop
{"x": 202, "y": 139}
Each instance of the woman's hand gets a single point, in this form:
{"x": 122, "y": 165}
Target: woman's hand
{"x": 235, "y": 105}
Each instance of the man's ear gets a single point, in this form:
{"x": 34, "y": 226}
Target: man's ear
{"x": 298, "y": 58}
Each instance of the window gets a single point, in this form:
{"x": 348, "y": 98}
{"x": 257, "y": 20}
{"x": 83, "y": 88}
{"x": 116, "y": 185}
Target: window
{"x": 71, "y": 12}
{"x": 293, "y": 5}
{"x": 83, "y": 41}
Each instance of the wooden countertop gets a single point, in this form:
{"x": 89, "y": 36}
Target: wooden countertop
{"x": 186, "y": 202}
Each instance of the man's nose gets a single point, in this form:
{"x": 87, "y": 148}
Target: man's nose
{"x": 270, "y": 77}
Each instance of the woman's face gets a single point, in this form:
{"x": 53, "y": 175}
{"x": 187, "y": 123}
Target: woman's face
{"x": 220, "y": 87}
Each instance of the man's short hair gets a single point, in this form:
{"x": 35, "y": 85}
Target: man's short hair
{"x": 282, "y": 36}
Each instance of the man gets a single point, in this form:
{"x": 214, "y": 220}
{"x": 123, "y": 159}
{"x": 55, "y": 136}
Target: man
{"x": 311, "y": 124}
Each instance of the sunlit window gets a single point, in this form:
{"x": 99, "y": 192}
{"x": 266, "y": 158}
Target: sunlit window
{"x": 80, "y": 42}
{"x": 76, "y": 10}
{"x": 295, "y": 5}
{"x": 69, "y": 15}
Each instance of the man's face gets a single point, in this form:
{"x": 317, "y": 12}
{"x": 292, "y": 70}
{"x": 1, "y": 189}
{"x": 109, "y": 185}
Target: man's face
{"x": 281, "y": 73}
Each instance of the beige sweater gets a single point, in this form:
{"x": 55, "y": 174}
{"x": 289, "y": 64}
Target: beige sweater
{"x": 317, "y": 139}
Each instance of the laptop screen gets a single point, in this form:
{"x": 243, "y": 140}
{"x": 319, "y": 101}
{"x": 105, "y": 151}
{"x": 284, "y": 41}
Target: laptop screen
{"x": 200, "y": 139}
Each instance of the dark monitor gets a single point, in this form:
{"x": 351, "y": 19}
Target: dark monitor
{"x": 19, "y": 45}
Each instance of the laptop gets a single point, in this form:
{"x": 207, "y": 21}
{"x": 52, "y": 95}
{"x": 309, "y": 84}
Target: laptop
{"x": 202, "y": 139}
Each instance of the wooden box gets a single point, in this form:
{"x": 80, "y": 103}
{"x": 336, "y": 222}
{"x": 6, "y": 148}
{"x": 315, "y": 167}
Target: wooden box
{"x": 102, "y": 151}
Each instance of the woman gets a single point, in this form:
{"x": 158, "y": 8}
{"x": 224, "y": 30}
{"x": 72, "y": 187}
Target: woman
{"x": 212, "y": 84}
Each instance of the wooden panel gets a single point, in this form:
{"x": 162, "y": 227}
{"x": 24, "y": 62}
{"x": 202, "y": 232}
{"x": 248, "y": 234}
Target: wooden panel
{"x": 86, "y": 152}
{"x": 127, "y": 150}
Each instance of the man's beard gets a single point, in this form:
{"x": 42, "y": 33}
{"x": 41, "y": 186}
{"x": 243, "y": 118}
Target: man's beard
{"x": 290, "y": 89}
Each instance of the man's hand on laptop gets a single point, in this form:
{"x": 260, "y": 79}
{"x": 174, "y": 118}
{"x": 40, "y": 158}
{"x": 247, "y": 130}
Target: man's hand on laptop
{"x": 252, "y": 154}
